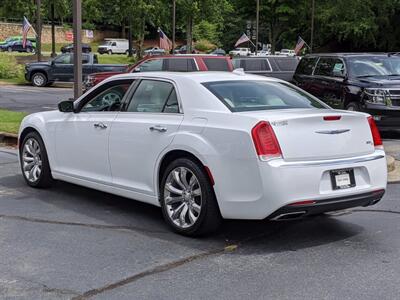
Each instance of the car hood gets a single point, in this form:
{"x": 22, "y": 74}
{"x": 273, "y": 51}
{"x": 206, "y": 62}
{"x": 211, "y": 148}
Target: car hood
{"x": 381, "y": 81}
{"x": 106, "y": 74}
{"x": 38, "y": 64}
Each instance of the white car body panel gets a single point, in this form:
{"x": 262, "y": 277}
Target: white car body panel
{"x": 125, "y": 158}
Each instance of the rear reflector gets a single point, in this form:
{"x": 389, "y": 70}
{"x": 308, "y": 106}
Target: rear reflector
{"x": 265, "y": 141}
{"x": 375, "y": 133}
{"x": 305, "y": 202}
{"x": 210, "y": 175}
{"x": 332, "y": 118}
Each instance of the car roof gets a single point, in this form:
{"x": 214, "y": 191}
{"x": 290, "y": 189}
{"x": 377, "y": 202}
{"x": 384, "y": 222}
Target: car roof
{"x": 199, "y": 77}
{"x": 187, "y": 56}
{"x": 348, "y": 54}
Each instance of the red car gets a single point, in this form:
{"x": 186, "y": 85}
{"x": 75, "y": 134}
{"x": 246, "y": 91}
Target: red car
{"x": 173, "y": 63}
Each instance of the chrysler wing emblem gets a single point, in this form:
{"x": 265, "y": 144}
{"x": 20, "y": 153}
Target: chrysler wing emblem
{"x": 337, "y": 131}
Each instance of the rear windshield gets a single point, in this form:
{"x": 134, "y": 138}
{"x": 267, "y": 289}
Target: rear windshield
{"x": 249, "y": 95}
{"x": 216, "y": 64}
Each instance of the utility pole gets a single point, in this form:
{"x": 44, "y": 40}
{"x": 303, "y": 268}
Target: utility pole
{"x": 173, "y": 24}
{"x": 312, "y": 26}
{"x": 38, "y": 31}
{"x": 77, "y": 26}
{"x": 257, "y": 22}
{"x": 53, "y": 32}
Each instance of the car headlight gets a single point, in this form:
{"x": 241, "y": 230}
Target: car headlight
{"x": 377, "y": 96}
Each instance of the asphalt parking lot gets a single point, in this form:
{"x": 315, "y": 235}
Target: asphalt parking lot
{"x": 32, "y": 99}
{"x": 70, "y": 242}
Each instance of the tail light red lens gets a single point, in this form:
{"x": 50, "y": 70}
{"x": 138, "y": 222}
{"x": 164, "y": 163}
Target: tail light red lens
{"x": 332, "y": 118}
{"x": 265, "y": 141}
{"x": 375, "y": 133}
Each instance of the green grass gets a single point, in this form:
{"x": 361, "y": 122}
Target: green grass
{"x": 18, "y": 81}
{"x": 115, "y": 59}
{"x": 10, "y": 120}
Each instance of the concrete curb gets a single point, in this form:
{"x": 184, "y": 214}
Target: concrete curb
{"x": 9, "y": 139}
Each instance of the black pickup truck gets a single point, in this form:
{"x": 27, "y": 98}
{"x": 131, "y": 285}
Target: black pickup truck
{"x": 61, "y": 68}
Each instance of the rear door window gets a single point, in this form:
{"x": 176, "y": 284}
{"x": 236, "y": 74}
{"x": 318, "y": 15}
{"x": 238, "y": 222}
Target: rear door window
{"x": 328, "y": 66}
{"x": 151, "y": 65}
{"x": 256, "y": 65}
{"x": 216, "y": 64}
{"x": 180, "y": 64}
{"x": 286, "y": 64}
{"x": 306, "y": 65}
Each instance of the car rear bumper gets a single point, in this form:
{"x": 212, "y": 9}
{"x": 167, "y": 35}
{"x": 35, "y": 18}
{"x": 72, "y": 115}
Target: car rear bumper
{"x": 290, "y": 212}
{"x": 274, "y": 185}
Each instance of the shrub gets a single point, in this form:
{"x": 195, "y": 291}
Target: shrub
{"x": 9, "y": 69}
{"x": 204, "y": 45}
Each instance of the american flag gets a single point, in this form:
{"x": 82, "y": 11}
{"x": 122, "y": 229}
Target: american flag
{"x": 165, "y": 42}
{"x": 26, "y": 26}
{"x": 242, "y": 39}
{"x": 300, "y": 44}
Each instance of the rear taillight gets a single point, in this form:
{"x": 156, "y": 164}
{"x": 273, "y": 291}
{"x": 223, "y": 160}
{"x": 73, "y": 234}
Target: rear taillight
{"x": 265, "y": 141}
{"x": 375, "y": 133}
{"x": 332, "y": 118}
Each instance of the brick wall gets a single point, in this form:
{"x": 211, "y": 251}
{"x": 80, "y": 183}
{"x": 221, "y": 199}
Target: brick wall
{"x": 10, "y": 29}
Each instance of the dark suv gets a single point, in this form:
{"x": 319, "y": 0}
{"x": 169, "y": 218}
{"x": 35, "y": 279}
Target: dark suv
{"x": 365, "y": 82}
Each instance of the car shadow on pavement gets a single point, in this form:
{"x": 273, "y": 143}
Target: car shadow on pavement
{"x": 89, "y": 207}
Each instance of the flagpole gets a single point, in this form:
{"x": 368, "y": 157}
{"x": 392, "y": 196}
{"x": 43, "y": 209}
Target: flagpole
{"x": 257, "y": 21}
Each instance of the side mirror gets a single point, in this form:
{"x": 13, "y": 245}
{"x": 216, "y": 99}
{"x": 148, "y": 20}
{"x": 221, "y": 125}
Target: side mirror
{"x": 66, "y": 106}
{"x": 137, "y": 69}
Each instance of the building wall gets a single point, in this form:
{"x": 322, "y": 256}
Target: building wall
{"x": 61, "y": 33}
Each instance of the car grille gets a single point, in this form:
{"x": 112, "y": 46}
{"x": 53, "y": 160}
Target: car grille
{"x": 394, "y": 96}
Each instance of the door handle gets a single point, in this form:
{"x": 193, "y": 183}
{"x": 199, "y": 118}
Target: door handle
{"x": 100, "y": 125}
{"x": 158, "y": 128}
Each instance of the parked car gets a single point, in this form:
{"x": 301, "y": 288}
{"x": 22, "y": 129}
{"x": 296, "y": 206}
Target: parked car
{"x": 240, "y": 52}
{"x": 114, "y": 46}
{"x": 70, "y": 48}
{"x": 263, "y": 53}
{"x": 178, "y": 63}
{"x": 17, "y": 46}
{"x": 183, "y": 50}
{"x": 154, "y": 51}
{"x": 218, "y": 51}
{"x": 287, "y": 52}
{"x": 272, "y": 66}
{"x": 355, "y": 81}
{"x": 19, "y": 38}
{"x": 61, "y": 69}
{"x": 207, "y": 146}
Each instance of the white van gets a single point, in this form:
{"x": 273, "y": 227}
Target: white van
{"x": 111, "y": 46}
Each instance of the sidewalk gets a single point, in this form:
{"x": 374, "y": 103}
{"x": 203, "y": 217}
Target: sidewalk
{"x": 392, "y": 149}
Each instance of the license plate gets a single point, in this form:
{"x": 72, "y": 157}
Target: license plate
{"x": 342, "y": 179}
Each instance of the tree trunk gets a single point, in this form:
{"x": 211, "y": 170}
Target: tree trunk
{"x": 141, "y": 39}
{"x": 189, "y": 32}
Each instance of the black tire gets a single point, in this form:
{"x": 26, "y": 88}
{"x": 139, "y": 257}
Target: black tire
{"x": 353, "y": 106}
{"x": 209, "y": 218}
{"x": 39, "y": 79}
{"x": 44, "y": 179}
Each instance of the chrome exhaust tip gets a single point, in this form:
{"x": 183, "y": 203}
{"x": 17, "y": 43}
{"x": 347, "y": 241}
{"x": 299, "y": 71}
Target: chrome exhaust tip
{"x": 289, "y": 216}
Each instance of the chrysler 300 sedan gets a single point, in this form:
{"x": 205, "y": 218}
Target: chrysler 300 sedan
{"x": 208, "y": 146}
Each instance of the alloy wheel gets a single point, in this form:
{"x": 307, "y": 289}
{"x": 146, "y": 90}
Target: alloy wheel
{"x": 38, "y": 80}
{"x": 182, "y": 197}
{"x": 32, "y": 160}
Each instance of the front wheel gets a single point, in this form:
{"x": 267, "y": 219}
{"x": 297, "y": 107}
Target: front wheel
{"x": 109, "y": 52}
{"x": 353, "y": 106}
{"x": 35, "y": 165}
{"x": 39, "y": 79}
{"x": 187, "y": 198}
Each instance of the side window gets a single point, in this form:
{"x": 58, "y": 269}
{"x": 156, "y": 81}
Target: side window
{"x": 306, "y": 65}
{"x": 63, "y": 59}
{"x": 151, "y": 65}
{"x": 85, "y": 59}
{"x": 256, "y": 65}
{"x": 114, "y": 44}
{"x": 330, "y": 67}
{"x": 108, "y": 100}
{"x": 216, "y": 64}
{"x": 236, "y": 63}
{"x": 180, "y": 64}
{"x": 154, "y": 96}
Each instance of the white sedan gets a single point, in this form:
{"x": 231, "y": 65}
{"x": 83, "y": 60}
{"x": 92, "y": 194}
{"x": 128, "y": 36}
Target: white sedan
{"x": 207, "y": 146}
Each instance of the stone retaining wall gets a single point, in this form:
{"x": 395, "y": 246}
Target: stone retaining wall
{"x": 10, "y": 29}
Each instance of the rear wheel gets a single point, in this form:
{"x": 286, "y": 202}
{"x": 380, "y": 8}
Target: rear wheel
{"x": 34, "y": 162}
{"x": 39, "y": 79}
{"x": 353, "y": 106}
{"x": 187, "y": 198}
{"x": 110, "y": 52}
{"x": 9, "y": 49}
